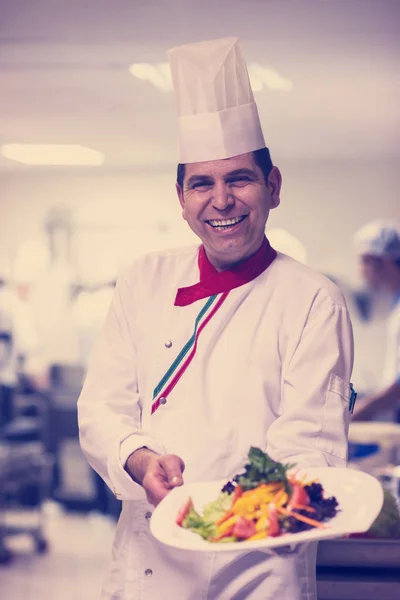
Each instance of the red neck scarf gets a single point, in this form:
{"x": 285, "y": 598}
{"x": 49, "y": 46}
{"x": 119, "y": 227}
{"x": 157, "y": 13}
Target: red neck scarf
{"x": 216, "y": 282}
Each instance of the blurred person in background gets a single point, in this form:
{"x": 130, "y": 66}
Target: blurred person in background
{"x": 274, "y": 353}
{"x": 378, "y": 246}
{"x": 20, "y": 349}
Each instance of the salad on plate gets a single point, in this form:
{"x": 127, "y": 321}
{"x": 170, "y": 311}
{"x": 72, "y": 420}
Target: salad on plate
{"x": 269, "y": 499}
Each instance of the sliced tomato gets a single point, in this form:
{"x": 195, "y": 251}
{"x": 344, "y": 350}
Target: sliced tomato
{"x": 244, "y": 528}
{"x": 299, "y": 495}
{"x": 184, "y": 511}
{"x": 274, "y": 528}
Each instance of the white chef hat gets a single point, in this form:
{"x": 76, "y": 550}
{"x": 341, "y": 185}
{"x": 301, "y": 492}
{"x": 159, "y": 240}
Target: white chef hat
{"x": 380, "y": 239}
{"x": 218, "y": 117}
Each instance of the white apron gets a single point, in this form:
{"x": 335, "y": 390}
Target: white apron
{"x": 271, "y": 368}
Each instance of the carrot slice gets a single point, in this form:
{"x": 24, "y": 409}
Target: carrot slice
{"x": 221, "y": 536}
{"x": 307, "y": 520}
{"x": 301, "y": 507}
{"x": 225, "y": 517}
{"x": 278, "y": 496}
{"x": 226, "y": 527}
{"x": 237, "y": 493}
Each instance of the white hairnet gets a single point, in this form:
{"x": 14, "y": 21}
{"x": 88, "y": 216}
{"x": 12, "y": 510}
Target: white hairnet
{"x": 380, "y": 239}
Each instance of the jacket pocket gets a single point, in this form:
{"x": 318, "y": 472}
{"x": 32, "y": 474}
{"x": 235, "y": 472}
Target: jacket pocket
{"x": 335, "y": 418}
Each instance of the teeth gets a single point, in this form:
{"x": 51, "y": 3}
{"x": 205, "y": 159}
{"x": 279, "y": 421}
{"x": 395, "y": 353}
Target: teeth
{"x": 226, "y": 222}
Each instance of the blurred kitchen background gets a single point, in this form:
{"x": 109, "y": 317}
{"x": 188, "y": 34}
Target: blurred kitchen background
{"x": 87, "y": 183}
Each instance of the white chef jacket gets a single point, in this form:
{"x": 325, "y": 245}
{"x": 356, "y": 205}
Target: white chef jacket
{"x": 272, "y": 369}
{"x": 392, "y": 358}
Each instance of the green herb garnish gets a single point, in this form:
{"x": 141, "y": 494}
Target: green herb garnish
{"x": 262, "y": 469}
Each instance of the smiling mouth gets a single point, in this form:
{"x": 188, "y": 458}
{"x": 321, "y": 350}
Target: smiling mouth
{"x": 223, "y": 224}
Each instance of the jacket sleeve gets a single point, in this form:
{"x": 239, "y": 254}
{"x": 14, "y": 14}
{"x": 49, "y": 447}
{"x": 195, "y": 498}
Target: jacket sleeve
{"x": 312, "y": 427}
{"x": 109, "y": 407}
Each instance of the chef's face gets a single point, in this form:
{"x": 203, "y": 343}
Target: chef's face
{"x": 372, "y": 271}
{"x": 380, "y": 273}
{"x": 227, "y": 203}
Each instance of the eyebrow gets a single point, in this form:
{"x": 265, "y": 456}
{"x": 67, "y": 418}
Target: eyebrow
{"x": 208, "y": 180}
{"x": 243, "y": 171}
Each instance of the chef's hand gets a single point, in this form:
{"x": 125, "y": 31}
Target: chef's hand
{"x": 156, "y": 474}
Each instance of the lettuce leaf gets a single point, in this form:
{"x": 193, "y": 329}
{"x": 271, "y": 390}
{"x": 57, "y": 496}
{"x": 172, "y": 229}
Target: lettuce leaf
{"x": 228, "y": 540}
{"x": 205, "y": 525}
{"x": 217, "y": 508}
{"x": 194, "y": 522}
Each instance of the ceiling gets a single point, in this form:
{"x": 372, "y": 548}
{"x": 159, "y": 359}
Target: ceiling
{"x": 64, "y": 74}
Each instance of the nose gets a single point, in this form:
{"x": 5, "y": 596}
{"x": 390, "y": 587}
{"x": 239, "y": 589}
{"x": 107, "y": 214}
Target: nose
{"x": 222, "y": 197}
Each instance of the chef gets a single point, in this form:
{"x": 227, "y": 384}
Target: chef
{"x": 378, "y": 246}
{"x": 21, "y": 352}
{"x": 211, "y": 349}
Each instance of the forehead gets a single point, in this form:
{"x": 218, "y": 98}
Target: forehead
{"x": 221, "y": 167}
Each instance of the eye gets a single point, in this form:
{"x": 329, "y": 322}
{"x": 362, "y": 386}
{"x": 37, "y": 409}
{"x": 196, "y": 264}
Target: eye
{"x": 240, "y": 180}
{"x": 200, "y": 186}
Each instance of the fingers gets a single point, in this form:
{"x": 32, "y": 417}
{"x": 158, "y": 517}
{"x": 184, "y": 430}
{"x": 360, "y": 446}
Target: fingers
{"x": 155, "y": 487}
{"x": 173, "y": 467}
{"x": 163, "y": 474}
{"x": 154, "y": 496}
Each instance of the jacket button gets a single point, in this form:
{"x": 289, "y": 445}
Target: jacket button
{"x": 163, "y": 400}
{"x": 148, "y": 515}
{"x": 168, "y": 344}
{"x": 148, "y": 572}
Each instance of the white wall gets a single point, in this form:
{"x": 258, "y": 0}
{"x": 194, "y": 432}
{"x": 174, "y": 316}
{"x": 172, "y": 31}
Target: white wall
{"x": 117, "y": 215}
{"x": 322, "y": 204}
{"x": 120, "y": 215}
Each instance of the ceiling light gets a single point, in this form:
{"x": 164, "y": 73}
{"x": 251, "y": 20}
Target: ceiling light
{"x": 158, "y": 74}
{"x": 264, "y": 77}
{"x": 52, "y": 154}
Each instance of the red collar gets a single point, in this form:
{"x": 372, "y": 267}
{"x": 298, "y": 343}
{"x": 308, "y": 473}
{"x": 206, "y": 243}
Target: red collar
{"x": 214, "y": 282}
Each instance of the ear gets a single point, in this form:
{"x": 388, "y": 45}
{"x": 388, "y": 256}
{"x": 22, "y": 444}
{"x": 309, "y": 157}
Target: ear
{"x": 179, "y": 191}
{"x": 274, "y": 185}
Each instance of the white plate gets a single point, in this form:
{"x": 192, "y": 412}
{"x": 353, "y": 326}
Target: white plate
{"x": 360, "y": 498}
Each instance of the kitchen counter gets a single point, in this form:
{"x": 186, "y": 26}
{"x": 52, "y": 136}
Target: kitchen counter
{"x": 359, "y": 569}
